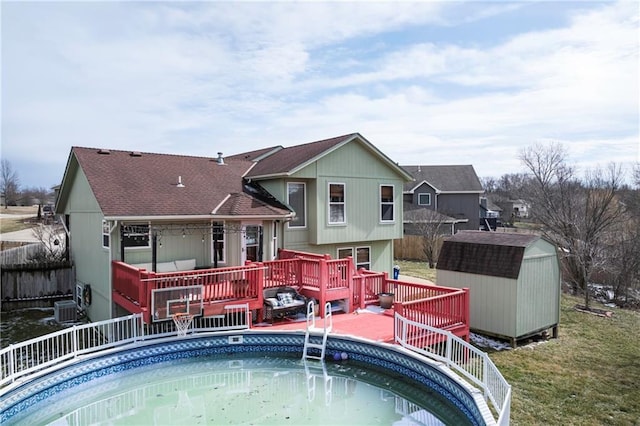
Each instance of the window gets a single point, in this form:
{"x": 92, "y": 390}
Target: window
{"x": 274, "y": 241}
{"x": 363, "y": 258}
{"x": 343, "y": 253}
{"x": 336, "y": 203}
{"x": 136, "y": 235}
{"x": 217, "y": 242}
{"x": 424, "y": 199}
{"x": 296, "y": 198}
{"x": 106, "y": 234}
{"x": 386, "y": 203}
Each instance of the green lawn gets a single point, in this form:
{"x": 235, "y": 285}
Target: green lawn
{"x": 590, "y": 375}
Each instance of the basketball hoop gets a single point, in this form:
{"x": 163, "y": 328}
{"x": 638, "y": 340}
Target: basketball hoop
{"x": 182, "y": 321}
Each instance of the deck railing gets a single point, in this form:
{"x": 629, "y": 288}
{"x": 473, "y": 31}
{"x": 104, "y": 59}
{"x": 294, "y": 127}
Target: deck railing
{"x": 367, "y": 286}
{"x": 472, "y": 364}
{"x": 218, "y": 285}
{"x": 444, "y": 311}
{"x": 22, "y": 361}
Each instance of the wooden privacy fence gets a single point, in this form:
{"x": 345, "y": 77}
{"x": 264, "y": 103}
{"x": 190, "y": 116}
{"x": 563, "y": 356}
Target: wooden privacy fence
{"x": 36, "y": 280}
{"x": 410, "y": 247}
{"x": 20, "y": 255}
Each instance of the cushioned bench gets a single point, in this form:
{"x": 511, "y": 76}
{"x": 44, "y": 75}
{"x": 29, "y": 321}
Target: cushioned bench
{"x": 282, "y": 301}
{"x": 173, "y": 266}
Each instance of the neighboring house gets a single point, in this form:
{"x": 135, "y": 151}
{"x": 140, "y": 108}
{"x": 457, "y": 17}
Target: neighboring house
{"x": 453, "y": 191}
{"x": 520, "y": 208}
{"x": 490, "y": 215}
{"x": 514, "y": 209}
{"x": 339, "y": 196}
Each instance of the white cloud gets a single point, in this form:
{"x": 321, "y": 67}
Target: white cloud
{"x": 199, "y": 78}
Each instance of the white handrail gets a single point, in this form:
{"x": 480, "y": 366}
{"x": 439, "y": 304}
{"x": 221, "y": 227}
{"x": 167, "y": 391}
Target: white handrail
{"x": 473, "y": 364}
{"x": 31, "y": 358}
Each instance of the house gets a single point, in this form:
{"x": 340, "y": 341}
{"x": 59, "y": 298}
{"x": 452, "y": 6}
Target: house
{"x": 452, "y": 191}
{"x": 490, "y": 215}
{"x": 339, "y": 196}
{"x": 514, "y": 281}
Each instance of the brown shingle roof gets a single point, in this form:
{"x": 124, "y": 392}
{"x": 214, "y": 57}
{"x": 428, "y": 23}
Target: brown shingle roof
{"x": 290, "y": 159}
{"x": 145, "y": 184}
{"x": 241, "y": 204}
{"x": 454, "y": 178}
{"x": 497, "y": 254}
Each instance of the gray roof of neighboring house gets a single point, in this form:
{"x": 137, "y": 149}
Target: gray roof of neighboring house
{"x": 497, "y": 254}
{"x": 453, "y": 178}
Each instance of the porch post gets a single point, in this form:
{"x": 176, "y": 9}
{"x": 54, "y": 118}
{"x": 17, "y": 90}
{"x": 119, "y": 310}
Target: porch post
{"x": 215, "y": 249}
{"x": 260, "y": 242}
{"x": 122, "y": 243}
{"x": 154, "y": 250}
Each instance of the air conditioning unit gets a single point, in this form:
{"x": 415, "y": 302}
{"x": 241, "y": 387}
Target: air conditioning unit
{"x": 65, "y": 311}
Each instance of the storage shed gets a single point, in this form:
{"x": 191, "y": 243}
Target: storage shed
{"x": 514, "y": 281}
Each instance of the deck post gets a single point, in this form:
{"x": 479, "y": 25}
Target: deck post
{"x": 467, "y": 311}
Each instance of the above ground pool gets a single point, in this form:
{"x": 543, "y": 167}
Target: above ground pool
{"x": 250, "y": 378}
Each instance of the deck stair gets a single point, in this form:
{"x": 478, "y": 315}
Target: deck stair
{"x": 314, "y": 334}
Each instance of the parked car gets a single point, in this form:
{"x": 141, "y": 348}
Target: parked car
{"x": 47, "y": 210}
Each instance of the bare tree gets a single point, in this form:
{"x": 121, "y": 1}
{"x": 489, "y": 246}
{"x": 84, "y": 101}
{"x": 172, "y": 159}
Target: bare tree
{"x": 52, "y": 240}
{"x": 576, "y": 214}
{"x": 489, "y": 184}
{"x": 9, "y": 183}
{"x": 430, "y": 226}
{"x": 622, "y": 270}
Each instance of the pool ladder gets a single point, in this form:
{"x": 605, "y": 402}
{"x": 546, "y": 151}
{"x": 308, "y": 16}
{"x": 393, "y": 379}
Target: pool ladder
{"x": 313, "y": 331}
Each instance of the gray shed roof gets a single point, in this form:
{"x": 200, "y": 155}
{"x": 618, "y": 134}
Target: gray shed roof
{"x": 497, "y": 254}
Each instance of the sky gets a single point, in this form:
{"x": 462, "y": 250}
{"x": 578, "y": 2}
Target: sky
{"x": 427, "y": 83}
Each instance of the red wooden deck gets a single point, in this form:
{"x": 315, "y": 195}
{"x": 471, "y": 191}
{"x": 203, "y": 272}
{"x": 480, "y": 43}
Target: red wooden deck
{"x": 314, "y": 276}
{"x": 366, "y": 324}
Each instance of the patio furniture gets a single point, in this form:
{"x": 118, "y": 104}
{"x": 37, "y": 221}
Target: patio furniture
{"x": 280, "y": 302}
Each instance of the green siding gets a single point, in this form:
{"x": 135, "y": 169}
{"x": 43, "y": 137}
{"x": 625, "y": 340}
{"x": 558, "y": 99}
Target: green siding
{"x": 362, "y": 172}
{"x": 91, "y": 261}
{"x": 491, "y": 307}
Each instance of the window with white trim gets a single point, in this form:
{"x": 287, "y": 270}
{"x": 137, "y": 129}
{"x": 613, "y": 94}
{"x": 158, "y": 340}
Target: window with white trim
{"x": 386, "y": 203}
{"x": 297, "y": 199}
{"x": 217, "y": 242}
{"x": 424, "y": 199}
{"x": 337, "y": 207}
{"x": 106, "y": 234}
{"x": 363, "y": 257}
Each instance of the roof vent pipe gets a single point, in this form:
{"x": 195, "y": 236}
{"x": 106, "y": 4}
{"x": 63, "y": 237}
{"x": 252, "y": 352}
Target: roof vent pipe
{"x": 220, "y": 160}
{"x": 180, "y": 185}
